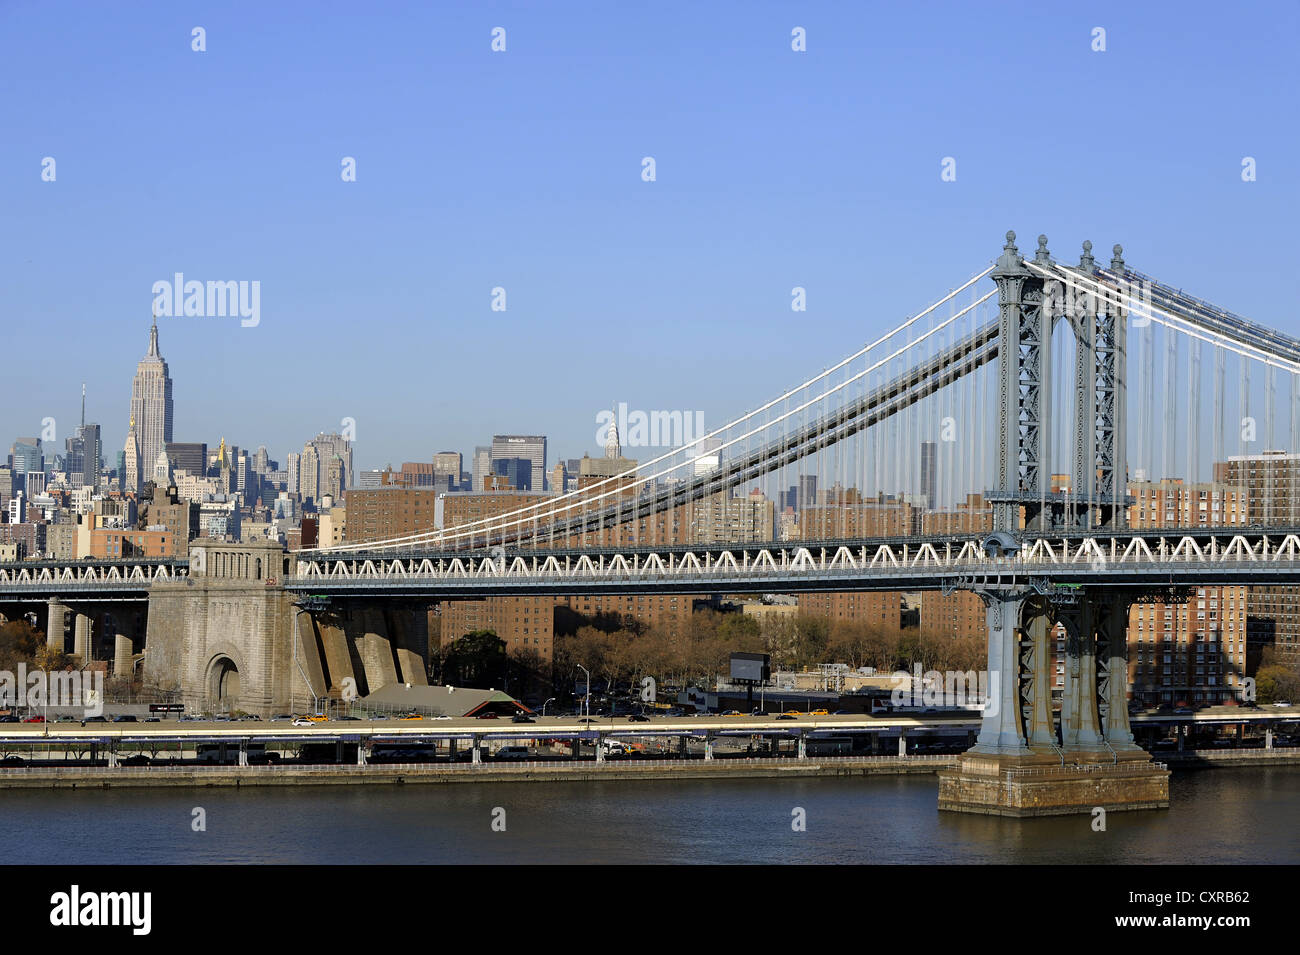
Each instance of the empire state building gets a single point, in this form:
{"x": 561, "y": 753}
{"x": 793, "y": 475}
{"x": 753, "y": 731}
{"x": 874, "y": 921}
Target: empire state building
{"x": 151, "y": 408}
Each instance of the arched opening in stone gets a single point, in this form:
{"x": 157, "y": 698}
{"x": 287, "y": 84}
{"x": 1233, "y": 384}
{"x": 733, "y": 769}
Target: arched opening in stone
{"x": 223, "y": 684}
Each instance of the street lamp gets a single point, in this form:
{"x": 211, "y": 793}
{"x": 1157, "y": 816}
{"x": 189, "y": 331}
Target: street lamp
{"x": 587, "y": 699}
{"x": 551, "y": 700}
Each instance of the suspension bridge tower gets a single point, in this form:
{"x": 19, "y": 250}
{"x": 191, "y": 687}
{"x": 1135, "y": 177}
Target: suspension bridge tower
{"x": 1029, "y": 759}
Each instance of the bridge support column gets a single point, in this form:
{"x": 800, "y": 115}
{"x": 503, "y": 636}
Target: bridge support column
{"x": 600, "y": 749}
{"x": 1113, "y": 685}
{"x": 407, "y": 633}
{"x": 902, "y": 742}
{"x": 81, "y": 637}
{"x": 1036, "y": 688}
{"x": 476, "y": 754}
{"x": 803, "y": 747}
{"x": 243, "y": 752}
{"x": 338, "y": 661}
{"x": 1268, "y": 738}
{"x": 708, "y": 747}
{"x": 56, "y": 625}
{"x": 1000, "y": 731}
{"x": 377, "y": 651}
{"x": 1080, "y": 724}
{"x": 123, "y": 651}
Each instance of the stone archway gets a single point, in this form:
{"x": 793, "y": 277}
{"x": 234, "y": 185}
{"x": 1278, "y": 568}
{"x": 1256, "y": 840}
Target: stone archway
{"x": 223, "y": 684}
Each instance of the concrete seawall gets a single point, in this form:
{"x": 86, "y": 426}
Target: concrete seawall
{"x": 288, "y": 774}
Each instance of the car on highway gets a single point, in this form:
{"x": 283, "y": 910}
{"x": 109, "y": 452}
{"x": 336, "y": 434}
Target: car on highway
{"x": 318, "y": 718}
{"x": 587, "y": 719}
{"x": 731, "y": 713}
{"x": 303, "y": 721}
{"x": 440, "y": 716}
{"x": 34, "y": 719}
{"x": 277, "y": 718}
{"x": 522, "y": 718}
{"x": 487, "y": 716}
{"x": 793, "y": 713}
{"x": 352, "y": 718}
{"x": 9, "y": 719}
{"x": 819, "y": 712}
{"x": 125, "y": 718}
{"x": 638, "y": 718}
{"x": 785, "y": 716}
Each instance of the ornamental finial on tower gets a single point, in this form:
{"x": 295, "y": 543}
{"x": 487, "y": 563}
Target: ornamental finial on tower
{"x": 1042, "y": 256}
{"x": 1117, "y": 259}
{"x": 1086, "y": 262}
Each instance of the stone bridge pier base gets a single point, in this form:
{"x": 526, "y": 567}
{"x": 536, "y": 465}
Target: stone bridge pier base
{"x": 1023, "y": 763}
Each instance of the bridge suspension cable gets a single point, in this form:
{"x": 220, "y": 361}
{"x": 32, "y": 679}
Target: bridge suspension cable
{"x": 621, "y": 488}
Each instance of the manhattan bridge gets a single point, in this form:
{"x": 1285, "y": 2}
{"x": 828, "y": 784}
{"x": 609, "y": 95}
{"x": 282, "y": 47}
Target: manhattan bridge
{"x": 1043, "y": 389}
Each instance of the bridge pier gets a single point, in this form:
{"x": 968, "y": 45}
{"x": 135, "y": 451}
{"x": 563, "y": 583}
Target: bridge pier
{"x": 1016, "y": 768}
{"x": 56, "y": 625}
{"x": 81, "y": 637}
{"x": 123, "y": 652}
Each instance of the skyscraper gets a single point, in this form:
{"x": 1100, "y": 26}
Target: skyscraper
{"x": 151, "y": 403}
{"x": 482, "y": 465}
{"x": 530, "y": 446}
{"x": 930, "y": 473}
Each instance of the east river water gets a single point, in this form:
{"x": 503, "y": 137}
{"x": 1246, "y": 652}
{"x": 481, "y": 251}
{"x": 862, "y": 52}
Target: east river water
{"x": 1220, "y": 816}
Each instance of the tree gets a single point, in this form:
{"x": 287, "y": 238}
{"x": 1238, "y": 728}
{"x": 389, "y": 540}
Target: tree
{"x": 476, "y": 660}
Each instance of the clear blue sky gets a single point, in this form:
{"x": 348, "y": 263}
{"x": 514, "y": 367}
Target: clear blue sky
{"x": 523, "y": 170}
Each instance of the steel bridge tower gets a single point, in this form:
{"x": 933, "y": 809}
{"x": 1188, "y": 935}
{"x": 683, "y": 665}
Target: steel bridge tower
{"x": 1026, "y": 759}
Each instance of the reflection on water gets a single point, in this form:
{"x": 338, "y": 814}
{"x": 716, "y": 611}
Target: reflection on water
{"x": 1221, "y": 816}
